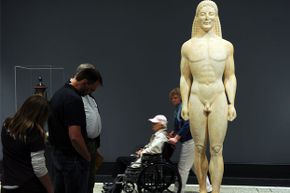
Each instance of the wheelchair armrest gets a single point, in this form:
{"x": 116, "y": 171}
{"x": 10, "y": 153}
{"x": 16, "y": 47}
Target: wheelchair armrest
{"x": 151, "y": 157}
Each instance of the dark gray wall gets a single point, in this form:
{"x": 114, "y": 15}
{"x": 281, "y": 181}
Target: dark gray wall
{"x": 136, "y": 45}
{"x": 1, "y": 58}
{"x": 1, "y": 63}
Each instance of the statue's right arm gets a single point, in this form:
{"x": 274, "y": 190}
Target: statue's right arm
{"x": 185, "y": 82}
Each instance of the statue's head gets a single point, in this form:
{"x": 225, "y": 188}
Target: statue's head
{"x": 206, "y": 18}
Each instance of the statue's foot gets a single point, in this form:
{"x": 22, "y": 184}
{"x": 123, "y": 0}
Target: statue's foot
{"x": 206, "y": 191}
{"x": 203, "y": 191}
{"x": 209, "y": 189}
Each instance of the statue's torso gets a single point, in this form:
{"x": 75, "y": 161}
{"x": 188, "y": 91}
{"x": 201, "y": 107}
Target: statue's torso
{"x": 206, "y": 58}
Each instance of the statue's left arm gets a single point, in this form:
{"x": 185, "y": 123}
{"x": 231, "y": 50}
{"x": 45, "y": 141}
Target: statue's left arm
{"x": 230, "y": 82}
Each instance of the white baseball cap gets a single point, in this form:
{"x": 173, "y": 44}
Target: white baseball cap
{"x": 159, "y": 119}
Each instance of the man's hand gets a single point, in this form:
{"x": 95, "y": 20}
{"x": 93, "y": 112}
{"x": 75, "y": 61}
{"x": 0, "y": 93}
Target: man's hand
{"x": 174, "y": 140}
{"x": 139, "y": 152}
{"x": 232, "y": 114}
{"x": 171, "y": 134}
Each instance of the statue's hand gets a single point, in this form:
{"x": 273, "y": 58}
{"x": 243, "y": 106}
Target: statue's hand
{"x": 184, "y": 113}
{"x": 232, "y": 114}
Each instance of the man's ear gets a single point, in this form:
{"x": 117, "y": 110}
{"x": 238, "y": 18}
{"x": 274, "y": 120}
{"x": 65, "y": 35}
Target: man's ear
{"x": 84, "y": 82}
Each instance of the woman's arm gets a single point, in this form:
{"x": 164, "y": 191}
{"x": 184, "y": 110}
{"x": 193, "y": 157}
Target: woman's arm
{"x": 40, "y": 170}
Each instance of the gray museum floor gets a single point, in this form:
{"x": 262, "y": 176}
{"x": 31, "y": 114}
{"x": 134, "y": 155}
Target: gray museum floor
{"x": 193, "y": 188}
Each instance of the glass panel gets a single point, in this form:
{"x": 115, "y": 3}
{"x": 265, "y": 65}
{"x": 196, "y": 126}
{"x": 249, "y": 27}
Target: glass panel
{"x": 27, "y": 78}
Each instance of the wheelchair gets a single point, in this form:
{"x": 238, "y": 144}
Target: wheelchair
{"x": 156, "y": 174}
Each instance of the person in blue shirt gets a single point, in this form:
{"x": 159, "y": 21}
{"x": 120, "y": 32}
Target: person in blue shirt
{"x": 181, "y": 132}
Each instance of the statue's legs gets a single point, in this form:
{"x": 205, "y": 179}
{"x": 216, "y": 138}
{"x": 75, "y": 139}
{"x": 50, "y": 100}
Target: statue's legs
{"x": 198, "y": 128}
{"x": 217, "y": 127}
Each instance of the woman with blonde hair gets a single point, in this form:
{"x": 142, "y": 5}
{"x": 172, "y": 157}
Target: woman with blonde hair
{"x": 23, "y": 136}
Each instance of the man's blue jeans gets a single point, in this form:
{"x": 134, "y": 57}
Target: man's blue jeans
{"x": 70, "y": 173}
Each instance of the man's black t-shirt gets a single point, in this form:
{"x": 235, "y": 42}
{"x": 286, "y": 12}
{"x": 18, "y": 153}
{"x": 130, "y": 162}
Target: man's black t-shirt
{"x": 67, "y": 110}
{"x": 17, "y": 167}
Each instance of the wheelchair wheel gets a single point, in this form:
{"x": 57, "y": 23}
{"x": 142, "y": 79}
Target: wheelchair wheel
{"x": 159, "y": 178}
{"x": 129, "y": 187}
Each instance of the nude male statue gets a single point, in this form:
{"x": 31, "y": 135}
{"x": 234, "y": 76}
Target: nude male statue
{"x": 208, "y": 88}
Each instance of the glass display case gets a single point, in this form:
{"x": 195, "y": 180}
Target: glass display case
{"x": 37, "y": 79}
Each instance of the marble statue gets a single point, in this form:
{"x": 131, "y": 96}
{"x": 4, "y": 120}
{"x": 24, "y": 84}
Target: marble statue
{"x": 208, "y": 88}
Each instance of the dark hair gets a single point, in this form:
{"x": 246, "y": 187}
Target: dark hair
{"x": 32, "y": 114}
{"x": 91, "y": 75}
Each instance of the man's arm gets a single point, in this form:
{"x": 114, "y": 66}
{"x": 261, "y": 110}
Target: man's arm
{"x": 230, "y": 82}
{"x": 78, "y": 141}
{"x": 183, "y": 131}
{"x": 185, "y": 82}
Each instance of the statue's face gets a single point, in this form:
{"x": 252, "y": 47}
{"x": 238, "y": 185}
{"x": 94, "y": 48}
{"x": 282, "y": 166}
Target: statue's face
{"x": 206, "y": 17}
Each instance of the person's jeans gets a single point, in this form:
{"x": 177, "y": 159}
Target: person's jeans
{"x": 70, "y": 173}
{"x": 121, "y": 164}
{"x": 30, "y": 186}
{"x": 92, "y": 147}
